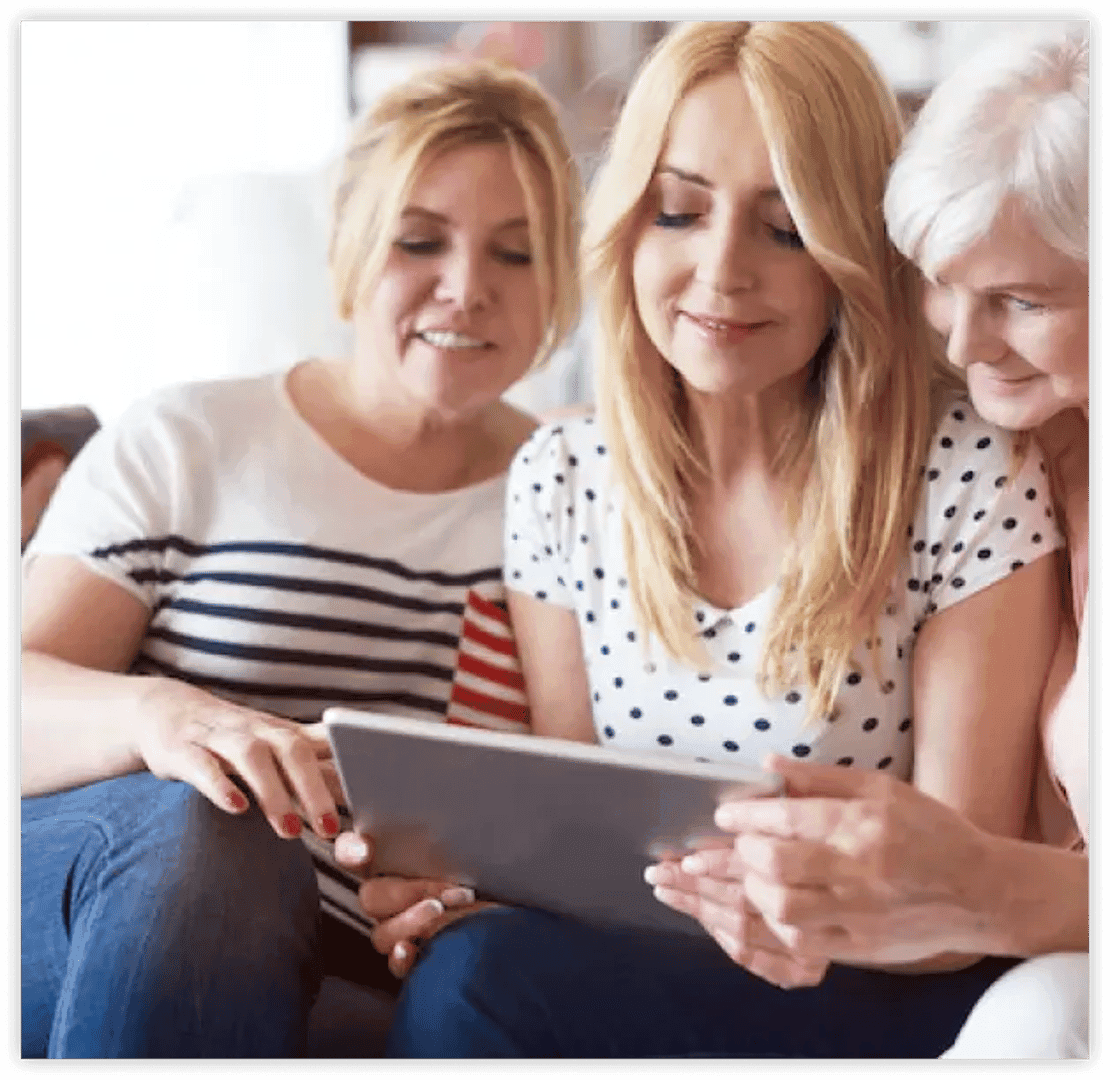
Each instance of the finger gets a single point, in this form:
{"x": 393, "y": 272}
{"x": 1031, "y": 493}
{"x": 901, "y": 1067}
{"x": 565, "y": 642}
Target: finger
{"x": 385, "y": 897}
{"x": 722, "y": 890}
{"x": 812, "y": 819}
{"x": 252, "y": 759}
{"x": 313, "y": 730}
{"x": 793, "y": 862}
{"x": 419, "y": 921}
{"x": 302, "y": 772}
{"x": 401, "y": 958}
{"x": 201, "y": 769}
{"x": 807, "y": 779}
{"x": 354, "y": 852}
{"x": 335, "y": 785}
{"x": 788, "y": 909}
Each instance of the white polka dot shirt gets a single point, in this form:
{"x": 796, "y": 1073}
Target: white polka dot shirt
{"x": 975, "y": 523}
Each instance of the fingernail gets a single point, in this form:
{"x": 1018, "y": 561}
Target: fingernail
{"x": 400, "y": 951}
{"x": 431, "y": 906}
{"x": 457, "y": 896}
{"x": 329, "y": 824}
{"x": 693, "y": 864}
{"x": 291, "y": 825}
{"x": 237, "y": 801}
{"x": 653, "y": 875}
{"x": 354, "y": 848}
{"x": 724, "y": 818}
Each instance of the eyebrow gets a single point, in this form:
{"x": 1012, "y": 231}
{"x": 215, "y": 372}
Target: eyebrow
{"x": 432, "y": 215}
{"x": 1033, "y": 287}
{"x": 701, "y": 181}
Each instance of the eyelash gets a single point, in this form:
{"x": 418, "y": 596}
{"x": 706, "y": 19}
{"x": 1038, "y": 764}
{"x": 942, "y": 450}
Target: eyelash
{"x": 786, "y": 237}
{"x": 434, "y": 247}
{"x": 1024, "y": 306}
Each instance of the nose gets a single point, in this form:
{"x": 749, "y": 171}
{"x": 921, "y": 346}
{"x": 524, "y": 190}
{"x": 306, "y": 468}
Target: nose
{"x": 971, "y": 337}
{"x": 466, "y": 280}
{"x": 727, "y": 261}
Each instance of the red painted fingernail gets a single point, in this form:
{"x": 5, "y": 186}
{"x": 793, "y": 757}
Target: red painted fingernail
{"x": 291, "y": 824}
{"x": 237, "y": 800}
{"x": 329, "y": 823}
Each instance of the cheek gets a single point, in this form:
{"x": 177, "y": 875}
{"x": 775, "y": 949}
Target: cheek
{"x": 936, "y": 309}
{"x": 648, "y": 286}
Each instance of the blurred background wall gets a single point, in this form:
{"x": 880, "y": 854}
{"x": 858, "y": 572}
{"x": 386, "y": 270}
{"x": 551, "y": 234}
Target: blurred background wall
{"x": 174, "y": 180}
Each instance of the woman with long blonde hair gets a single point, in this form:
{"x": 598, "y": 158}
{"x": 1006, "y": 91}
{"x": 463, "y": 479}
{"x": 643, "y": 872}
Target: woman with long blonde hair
{"x": 784, "y": 531}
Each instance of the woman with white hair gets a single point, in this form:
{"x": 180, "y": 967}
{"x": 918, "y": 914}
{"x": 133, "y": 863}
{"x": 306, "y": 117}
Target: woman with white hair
{"x": 990, "y": 198}
{"x": 783, "y": 531}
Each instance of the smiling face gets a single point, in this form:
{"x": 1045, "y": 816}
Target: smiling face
{"x": 454, "y": 319}
{"x": 1014, "y": 312}
{"x": 724, "y": 288}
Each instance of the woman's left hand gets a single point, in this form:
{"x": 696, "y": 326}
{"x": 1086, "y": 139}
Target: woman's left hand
{"x": 718, "y": 902}
{"x": 858, "y": 867}
{"x": 408, "y": 911}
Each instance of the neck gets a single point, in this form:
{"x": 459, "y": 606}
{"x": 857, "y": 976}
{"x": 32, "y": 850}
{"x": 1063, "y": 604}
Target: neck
{"x": 402, "y": 442}
{"x": 740, "y": 436}
{"x": 1064, "y": 440}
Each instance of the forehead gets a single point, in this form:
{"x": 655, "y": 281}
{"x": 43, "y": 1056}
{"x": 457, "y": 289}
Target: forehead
{"x": 1013, "y": 252}
{"x": 715, "y": 132}
{"x": 480, "y": 176}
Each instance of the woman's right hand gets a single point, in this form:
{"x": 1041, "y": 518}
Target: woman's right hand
{"x": 187, "y": 734}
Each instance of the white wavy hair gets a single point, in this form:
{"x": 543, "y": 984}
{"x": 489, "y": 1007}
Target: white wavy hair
{"x": 1013, "y": 122}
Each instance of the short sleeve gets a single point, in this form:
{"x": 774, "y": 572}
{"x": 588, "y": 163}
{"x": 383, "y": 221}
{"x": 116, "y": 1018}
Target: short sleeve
{"x": 539, "y": 512}
{"x": 985, "y": 511}
{"x": 110, "y": 502}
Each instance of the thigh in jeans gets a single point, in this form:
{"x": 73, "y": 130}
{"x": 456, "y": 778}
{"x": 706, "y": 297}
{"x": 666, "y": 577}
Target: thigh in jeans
{"x": 153, "y": 924}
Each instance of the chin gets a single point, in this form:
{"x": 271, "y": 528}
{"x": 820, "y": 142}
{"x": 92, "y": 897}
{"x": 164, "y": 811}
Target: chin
{"x": 1017, "y": 413}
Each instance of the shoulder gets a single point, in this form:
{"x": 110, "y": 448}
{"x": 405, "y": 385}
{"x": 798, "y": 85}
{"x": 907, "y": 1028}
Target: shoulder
{"x": 574, "y": 442}
{"x": 184, "y": 404}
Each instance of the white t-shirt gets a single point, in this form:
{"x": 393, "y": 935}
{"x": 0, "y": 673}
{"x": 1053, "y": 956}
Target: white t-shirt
{"x": 279, "y": 577}
{"x": 975, "y": 523}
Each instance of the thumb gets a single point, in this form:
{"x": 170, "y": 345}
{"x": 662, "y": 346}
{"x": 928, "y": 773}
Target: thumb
{"x": 805, "y": 778}
{"x": 353, "y": 851}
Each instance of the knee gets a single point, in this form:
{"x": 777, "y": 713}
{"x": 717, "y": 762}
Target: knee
{"x": 1039, "y": 1009}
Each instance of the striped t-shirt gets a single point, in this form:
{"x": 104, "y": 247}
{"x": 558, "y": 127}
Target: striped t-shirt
{"x": 279, "y": 577}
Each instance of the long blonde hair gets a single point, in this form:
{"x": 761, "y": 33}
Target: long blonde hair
{"x": 438, "y": 110}
{"x": 853, "y": 459}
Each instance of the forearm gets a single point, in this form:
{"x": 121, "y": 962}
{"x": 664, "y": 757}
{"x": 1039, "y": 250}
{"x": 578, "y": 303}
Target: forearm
{"x": 78, "y": 724}
{"x": 1034, "y": 899}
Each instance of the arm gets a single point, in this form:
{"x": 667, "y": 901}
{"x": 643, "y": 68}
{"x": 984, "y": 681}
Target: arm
{"x": 84, "y": 720}
{"x": 554, "y": 667}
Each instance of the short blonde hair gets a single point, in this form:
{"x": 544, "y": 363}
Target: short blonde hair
{"x": 854, "y": 457}
{"x": 1012, "y": 122}
{"x": 442, "y": 109}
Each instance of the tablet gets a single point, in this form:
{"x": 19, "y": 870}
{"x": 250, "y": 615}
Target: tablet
{"x": 546, "y": 823}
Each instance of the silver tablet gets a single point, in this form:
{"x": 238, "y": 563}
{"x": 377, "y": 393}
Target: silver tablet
{"x": 530, "y": 821}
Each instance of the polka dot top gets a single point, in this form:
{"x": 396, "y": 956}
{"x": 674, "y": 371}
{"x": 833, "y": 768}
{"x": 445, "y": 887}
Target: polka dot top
{"x": 975, "y": 523}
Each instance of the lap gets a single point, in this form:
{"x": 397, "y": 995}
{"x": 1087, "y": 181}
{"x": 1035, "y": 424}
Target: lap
{"x": 482, "y": 983}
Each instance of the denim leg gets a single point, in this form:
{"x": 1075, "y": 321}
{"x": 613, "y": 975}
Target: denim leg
{"x": 512, "y": 983}
{"x": 155, "y": 925}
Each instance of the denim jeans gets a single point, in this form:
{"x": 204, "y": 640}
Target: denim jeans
{"x": 155, "y": 925}
{"x": 515, "y": 983}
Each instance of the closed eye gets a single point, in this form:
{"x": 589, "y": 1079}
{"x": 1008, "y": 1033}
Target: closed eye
{"x": 419, "y": 247}
{"x": 674, "y": 221}
{"x": 514, "y": 258}
{"x": 786, "y": 237}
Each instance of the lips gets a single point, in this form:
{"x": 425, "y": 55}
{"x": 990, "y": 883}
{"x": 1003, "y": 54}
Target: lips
{"x": 721, "y": 331}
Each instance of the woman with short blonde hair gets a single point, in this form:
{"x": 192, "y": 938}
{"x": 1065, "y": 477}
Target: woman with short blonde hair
{"x": 232, "y": 557}
{"x": 785, "y": 531}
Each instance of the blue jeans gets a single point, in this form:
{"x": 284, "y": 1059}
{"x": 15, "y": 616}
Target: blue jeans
{"x": 514, "y": 983}
{"x": 155, "y": 925}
